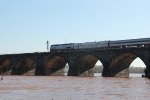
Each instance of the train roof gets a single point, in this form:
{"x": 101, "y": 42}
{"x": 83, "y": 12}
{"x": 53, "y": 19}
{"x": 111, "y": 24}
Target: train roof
{"x": 132, "y": 40}
{"x": 127, "y": 40}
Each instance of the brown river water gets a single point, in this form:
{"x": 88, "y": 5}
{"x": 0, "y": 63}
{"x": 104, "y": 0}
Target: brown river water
{"x": 73, "y": 88}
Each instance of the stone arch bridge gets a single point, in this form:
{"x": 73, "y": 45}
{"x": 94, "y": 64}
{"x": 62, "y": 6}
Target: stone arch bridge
{"x": 114, "y": 61}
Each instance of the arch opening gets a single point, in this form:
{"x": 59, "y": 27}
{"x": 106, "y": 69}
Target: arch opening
{"x": 120, "y": 65}
{"x": 98, "y": 68}
{"x": 54, "y": 66}
{"x": 66, "y": 69}
{"x": 136, "y": 68}
{"x": 85, "y": 64}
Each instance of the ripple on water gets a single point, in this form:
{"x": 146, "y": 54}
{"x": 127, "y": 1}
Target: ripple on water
{"x": 73, "y": 88}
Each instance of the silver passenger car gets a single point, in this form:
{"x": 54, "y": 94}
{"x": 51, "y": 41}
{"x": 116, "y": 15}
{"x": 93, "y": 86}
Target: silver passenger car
{"x": 92, "y": 45}
{"x": 130, "y": 42}
{"x": 103, "y": 44}
{"x": 87, "y": 45}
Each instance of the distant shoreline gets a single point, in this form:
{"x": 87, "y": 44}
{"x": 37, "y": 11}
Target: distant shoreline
{"x": 98, "y": 69}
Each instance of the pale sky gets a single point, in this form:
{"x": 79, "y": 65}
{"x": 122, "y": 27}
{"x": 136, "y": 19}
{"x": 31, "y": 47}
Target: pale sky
{"x": 26, "y": 25}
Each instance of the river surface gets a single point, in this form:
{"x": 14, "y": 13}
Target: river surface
{"x": 73, "y": 88}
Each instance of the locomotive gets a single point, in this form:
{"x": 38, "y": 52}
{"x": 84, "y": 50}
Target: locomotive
{"x": 142, "y": 42}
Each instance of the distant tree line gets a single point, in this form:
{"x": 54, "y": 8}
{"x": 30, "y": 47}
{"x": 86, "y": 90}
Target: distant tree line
{"x": 98, "y": 69}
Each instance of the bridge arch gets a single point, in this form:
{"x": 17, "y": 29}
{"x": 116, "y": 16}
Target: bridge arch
{"x": 53, "y": 64}
{"x": 98, "y": 68}
{"x": 85, "y": 63}
{"x": 26, "y": 66}
{"x": 121, "y": 62}
{"x": 5, "y": 65}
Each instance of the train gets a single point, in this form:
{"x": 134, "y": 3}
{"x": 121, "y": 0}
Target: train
{"x": 130, "y": 43}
